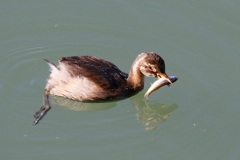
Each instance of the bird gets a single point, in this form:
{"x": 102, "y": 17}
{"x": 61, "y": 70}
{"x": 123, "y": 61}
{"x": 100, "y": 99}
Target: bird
{"x": 91, "y": 79}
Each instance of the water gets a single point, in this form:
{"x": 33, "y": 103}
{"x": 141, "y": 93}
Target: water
{"x": 196, "y": 118}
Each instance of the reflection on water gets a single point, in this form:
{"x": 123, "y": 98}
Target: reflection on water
{"x": 148, "y": 114}
{"x": 81, "y": 106}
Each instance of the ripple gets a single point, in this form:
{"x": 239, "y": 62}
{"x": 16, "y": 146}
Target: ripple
{"x": 21, "y": 68}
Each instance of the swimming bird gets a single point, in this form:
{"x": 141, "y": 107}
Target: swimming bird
{"x": 90, "y": 79}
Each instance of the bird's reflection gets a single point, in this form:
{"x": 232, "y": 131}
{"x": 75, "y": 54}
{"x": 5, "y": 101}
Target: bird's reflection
{"x": 81, "y": 106}
{"x": 149, "y": 112}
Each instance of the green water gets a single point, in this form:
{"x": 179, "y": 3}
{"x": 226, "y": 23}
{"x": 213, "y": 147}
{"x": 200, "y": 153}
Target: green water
{"x": 196, "y": 118}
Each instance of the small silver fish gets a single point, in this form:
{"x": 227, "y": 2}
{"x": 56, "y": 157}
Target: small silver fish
{"x": 159, "y": 83}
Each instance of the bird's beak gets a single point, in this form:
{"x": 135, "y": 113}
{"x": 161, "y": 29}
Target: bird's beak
{"x": 164, "y": 76}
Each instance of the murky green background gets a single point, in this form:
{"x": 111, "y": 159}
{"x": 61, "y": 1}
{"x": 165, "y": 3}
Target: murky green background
{"x": 196, "y": 118}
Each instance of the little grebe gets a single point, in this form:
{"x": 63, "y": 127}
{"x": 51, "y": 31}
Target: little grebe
{"x": 88, "y": 78}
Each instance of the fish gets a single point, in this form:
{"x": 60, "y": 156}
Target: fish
{"x": 158, "y": 84}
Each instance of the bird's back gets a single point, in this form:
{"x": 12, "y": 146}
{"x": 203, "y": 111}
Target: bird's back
{"x": 99, "y": 71}
{"x": 86, "y": 78}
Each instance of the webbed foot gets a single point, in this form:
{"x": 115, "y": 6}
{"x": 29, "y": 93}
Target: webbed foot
{"x": 43, "y": 110}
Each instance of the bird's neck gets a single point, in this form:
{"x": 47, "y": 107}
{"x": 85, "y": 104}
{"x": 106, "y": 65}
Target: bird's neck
{"x": 136, "y": 77}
